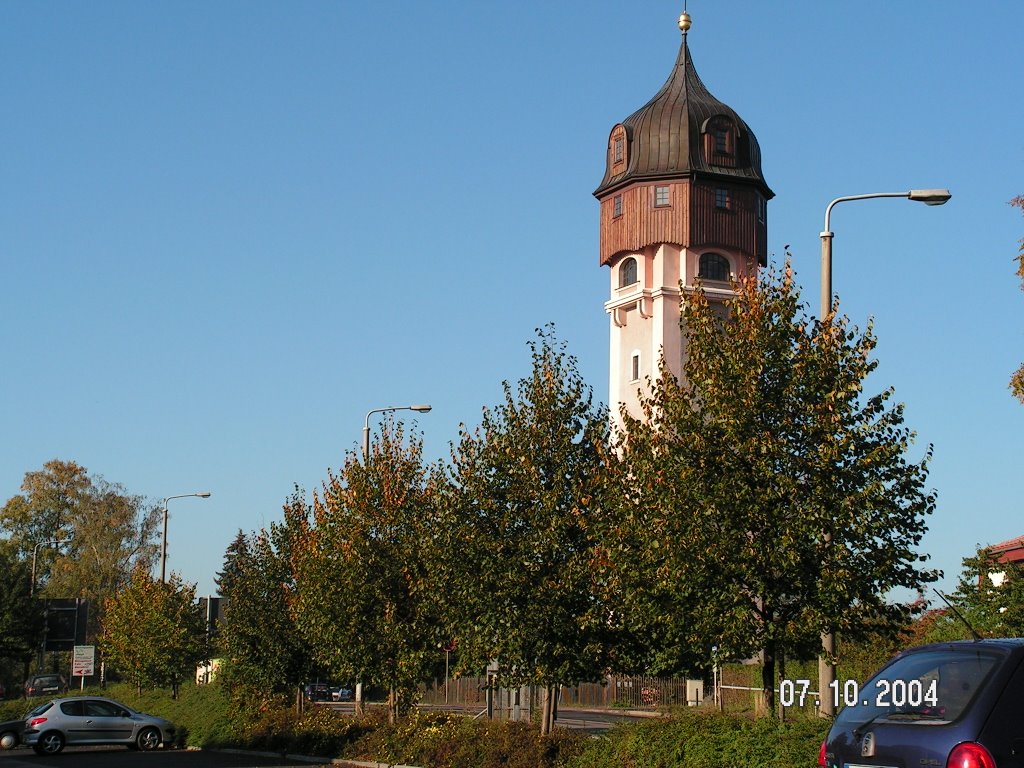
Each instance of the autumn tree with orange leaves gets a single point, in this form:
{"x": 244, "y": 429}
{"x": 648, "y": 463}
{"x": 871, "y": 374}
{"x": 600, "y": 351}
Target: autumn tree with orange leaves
{"x": 365, "y": 599}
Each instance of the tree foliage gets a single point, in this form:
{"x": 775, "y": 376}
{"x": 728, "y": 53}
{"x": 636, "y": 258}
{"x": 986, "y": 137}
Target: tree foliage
{"x": 1017, "y": 380}
{"x": 522, "y": 530}
{"x": 366, "y": 602}
{"x": 104, "y": 530}
{"x": 259, "y": 640}
{"x": 154, "y": 633}
{"x": 21, "y": 615}
{"x": 772, "y": 498}
{"x": 989, "y": 597}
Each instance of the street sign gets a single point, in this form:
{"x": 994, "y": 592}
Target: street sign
{"x": 83, "y": 661}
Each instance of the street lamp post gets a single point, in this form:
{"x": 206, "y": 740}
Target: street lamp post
{"x": 35, "y": 552}
{"x": 163, "y": 543}
{"x": 926, "y": 196}
{"x": 826, "y": 669}
{"x": 366, "y": 422}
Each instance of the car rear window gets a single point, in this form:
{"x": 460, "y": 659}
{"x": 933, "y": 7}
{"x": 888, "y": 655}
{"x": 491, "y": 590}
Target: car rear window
{"x": 39, "y": 710}
{"x": 926, "y": 687}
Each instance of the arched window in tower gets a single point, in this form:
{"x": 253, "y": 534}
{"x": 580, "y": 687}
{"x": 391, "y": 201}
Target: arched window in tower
{"x": 713, "y": 266}
{"x": 627, "y": 272}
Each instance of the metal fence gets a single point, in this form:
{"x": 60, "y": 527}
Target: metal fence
{"x": 618, "y": 692}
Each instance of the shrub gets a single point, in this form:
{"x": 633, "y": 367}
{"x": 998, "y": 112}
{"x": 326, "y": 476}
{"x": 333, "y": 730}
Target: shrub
{"x": 706, "y": 740}
{"x": 444, "y": 740}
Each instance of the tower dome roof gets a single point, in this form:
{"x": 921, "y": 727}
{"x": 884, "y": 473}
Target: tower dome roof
{"x": 665, "y": 136}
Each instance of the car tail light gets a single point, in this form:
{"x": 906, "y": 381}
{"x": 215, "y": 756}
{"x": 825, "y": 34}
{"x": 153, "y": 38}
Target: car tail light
{"x": 970, "y": 755}
{"x": 821, "y": 754}
{"x": 36, "y": 721}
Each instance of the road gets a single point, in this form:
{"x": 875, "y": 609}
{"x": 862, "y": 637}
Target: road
{"x": 119, "y": 757}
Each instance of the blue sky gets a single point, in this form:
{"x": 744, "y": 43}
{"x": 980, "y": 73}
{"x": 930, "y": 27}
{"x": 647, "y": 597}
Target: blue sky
{"x": 228, "y": 230}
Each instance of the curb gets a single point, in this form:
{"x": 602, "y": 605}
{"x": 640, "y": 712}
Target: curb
{"x": 339, "y": 761}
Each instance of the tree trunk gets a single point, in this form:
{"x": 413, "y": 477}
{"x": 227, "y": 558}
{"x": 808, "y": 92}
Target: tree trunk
{"x": 768, "y": 677}
{"x": 547, "y": 719}
{"x": 782, "y": 676}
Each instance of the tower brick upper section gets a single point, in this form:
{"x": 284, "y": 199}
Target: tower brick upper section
{"x": 704, "y": 153}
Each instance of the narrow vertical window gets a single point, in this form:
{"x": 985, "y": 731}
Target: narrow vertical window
{"x": 762, "y": 209}
{"x": 617, "y": 206}
{"x": 661, "y": 197}
{"x": 634, "y": 369}
{"x": 722, "y": 198}
{"x": 617, "y": 153}
{"x": 721, "y": 141}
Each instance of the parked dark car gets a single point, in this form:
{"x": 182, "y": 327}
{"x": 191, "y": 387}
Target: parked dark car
{"x": 10, "y": 733}
{"x": 947, "y": 704}
{"x": 80, "y": 720}
{"x": 46, "y": 685}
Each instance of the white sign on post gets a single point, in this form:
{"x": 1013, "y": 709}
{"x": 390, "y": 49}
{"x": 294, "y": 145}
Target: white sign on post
{"x": 83, "y": 661}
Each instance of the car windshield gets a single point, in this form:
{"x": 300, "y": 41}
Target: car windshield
{"x": 927, "y": 687}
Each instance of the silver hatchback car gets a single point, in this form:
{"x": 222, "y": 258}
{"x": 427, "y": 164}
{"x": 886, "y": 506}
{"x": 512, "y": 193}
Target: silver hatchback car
{"x": 92, "y": 720}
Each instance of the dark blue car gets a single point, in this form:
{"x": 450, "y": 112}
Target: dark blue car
{"x": 947, "y": 705}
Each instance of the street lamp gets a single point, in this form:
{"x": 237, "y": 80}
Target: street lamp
{"x": 163, "y": 545}
{"x": 35, "y": 551}
{"x": 827, "y": 670}
{"x": 926, "y": 196}
{"x": 366, "y": 423}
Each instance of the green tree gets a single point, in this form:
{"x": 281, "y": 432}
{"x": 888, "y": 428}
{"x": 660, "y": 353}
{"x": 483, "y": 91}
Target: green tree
{"x": 522, "y": 531}
{"x": 773, "y": 499}
{"x": 104, "y": 530}
{"x": 264, "y": 652}
{"x": 21, "y": 616}
{"x": 154, "y": 633}
{"x": 989, "y": 597}
{"x": 1017, "y": 380}
{"x": 365, "y": 599}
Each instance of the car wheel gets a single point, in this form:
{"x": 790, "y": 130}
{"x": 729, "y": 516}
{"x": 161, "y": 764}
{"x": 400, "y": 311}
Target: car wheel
{"x": 50, "y": 743}
{"x": 148, "y": 739}
{"x": 8, "y": 740}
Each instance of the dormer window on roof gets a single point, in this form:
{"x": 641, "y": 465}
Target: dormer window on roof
{"x": 720, "y": 139}
{"x": 617, "y": 154}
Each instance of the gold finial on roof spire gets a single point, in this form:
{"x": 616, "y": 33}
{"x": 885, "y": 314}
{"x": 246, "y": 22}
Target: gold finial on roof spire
{"x": 684, "y": 21}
